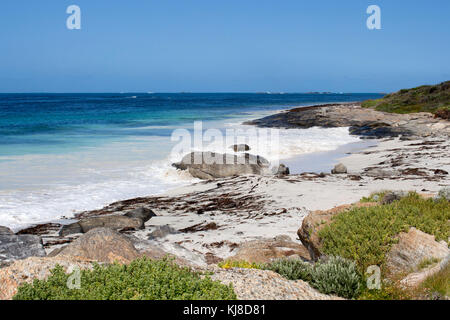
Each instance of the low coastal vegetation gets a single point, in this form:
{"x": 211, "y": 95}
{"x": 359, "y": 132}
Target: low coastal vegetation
{"x": 331, "y": 275}
{"x": 366, "y": 234}
{"x": 142, "y": 279}
{"x": 428, "y": 98}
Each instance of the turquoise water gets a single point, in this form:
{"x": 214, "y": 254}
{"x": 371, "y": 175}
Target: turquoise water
{"x": 64, "y": 153}
{"x": 57, "y": 123}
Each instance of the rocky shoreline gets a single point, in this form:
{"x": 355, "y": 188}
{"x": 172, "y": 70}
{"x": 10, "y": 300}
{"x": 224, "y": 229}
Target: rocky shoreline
{"x": 251, "y": 217}
{"x": 364, "y": 122}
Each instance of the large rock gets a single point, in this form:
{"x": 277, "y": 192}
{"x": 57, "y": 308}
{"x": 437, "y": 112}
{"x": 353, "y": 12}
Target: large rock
{"x": 111, "y": 222}
{"x": 315, "y": 221}
{"x": 209, "y": 165}
{"x": 69, "y": 229}
{"x": 5, "y": 230}
{"x": 339, "y": 169}
{"x": 101, "y": 244}
{"x": 142, "y": 213}
{"x": 264, "y": 251}
{"x": 254, "y": 284}
{"x": 132, "y": 220}
{"x": 29, "y": 269}
{"x": 413, "y": 248}
{"x": 16, "y": 247}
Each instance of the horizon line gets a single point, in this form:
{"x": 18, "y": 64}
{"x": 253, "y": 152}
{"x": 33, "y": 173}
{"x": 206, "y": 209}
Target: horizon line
{"x": 198, "y": 92}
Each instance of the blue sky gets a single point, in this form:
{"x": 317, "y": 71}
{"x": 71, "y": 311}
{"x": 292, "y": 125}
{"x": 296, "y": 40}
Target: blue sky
{"x": 222, "y": 46}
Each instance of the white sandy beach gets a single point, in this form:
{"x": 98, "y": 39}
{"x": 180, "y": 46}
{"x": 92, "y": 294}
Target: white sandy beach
{"x": 272, "y": 206}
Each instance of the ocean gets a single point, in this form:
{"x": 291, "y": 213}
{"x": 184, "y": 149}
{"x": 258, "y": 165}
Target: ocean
{"x": 65, "y": 153}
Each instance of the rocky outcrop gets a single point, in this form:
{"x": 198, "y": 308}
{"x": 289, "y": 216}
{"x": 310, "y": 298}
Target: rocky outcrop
{"x": 111, "y": 222}
{"x": 412, "y": 249}
{"x": 69, "y": 229}
{"x": 101, "y": 244}
{"x": 132, "y": 220}
{"x": 339, "y": 169}
{"x": 5, "y": 230}
{"x": 315, "y": 221}
{"x": 210, "y": 165}
{"x": 364, "y": 122}
{"x": 266, "y": 250}
{"x": 29, "y": 269}
{"x": 141, "y": 213}
{"x": 16, "y": 247}
{"x": 114, "y": 222}
{"x": 253, "y": 284}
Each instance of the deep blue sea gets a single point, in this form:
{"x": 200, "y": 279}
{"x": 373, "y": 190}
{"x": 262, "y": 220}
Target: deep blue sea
{"x": 62, "y": 153}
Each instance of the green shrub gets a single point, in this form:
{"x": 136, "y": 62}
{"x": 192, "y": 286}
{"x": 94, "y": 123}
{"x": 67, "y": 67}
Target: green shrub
{"x": 332, "y": 275}
{"x": 337, "y": 276}
{"x": 292, "y": 269}
{"x": 365, "y": 235}
{"x": 143, "y": 279}
{"x": 434, "y": 99}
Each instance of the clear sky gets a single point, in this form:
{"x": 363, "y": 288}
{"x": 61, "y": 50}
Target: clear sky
{"x": 222, "y": 46}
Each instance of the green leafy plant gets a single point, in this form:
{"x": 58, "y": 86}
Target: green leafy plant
{"x": 338, "y": 276}
{"x": 142, "y": 279}
{"x": 331, "y": 275}
{"x": 292, "y": 269}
